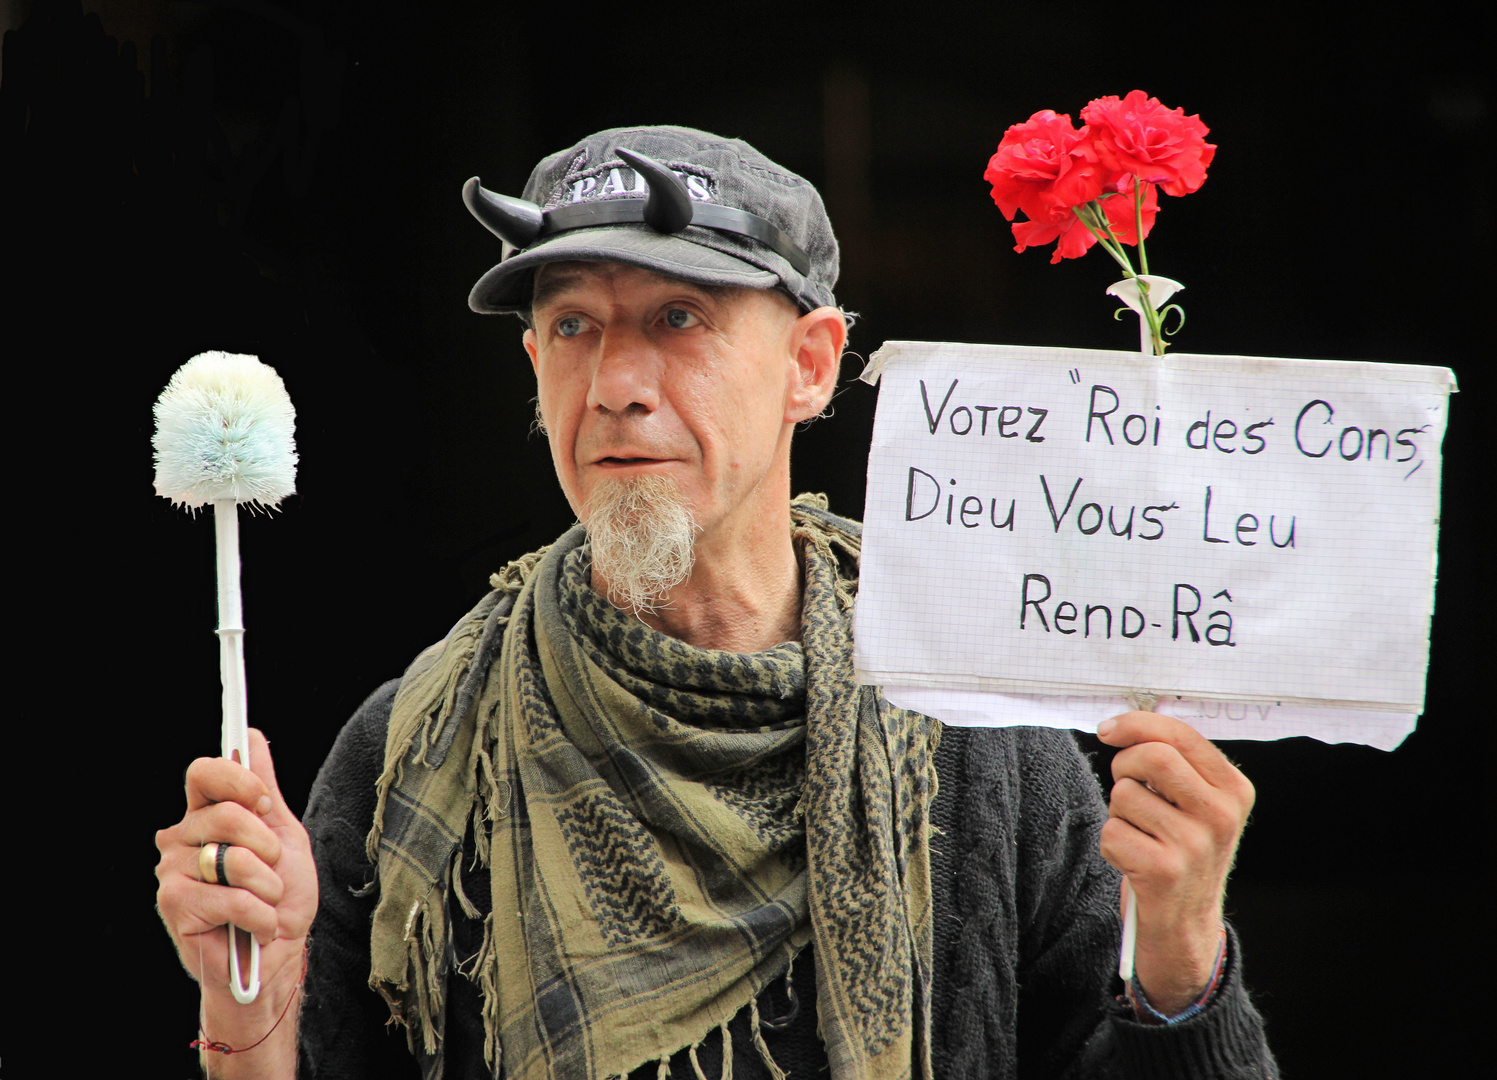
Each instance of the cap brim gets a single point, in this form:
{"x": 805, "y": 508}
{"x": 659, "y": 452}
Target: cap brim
{"x": 506, "y": 288}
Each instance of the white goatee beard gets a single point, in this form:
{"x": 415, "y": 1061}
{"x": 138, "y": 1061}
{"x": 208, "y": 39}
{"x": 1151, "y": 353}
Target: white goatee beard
{"x": 643, "y": 539}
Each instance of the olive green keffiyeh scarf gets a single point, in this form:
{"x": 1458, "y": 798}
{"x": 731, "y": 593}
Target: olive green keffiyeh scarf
{"x": 665, "y": 828}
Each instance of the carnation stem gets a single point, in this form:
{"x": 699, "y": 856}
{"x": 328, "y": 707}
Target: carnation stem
{"x": 1096, "y": 224}
{"x": 1095, "y": 221}
{"x": 1111, "y": 242}
{"x": 1138, "y": 224}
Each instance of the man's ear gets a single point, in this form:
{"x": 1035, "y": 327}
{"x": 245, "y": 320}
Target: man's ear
{"x": 529, "y": 340}
{"x": 816, "y": 341}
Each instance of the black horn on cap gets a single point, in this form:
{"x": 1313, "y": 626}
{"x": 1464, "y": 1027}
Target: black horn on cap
{"x": 515, "y": 221}
{"x": 668, "y": 205}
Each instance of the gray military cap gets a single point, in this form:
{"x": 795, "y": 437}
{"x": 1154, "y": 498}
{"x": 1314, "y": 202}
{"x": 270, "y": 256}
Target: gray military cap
{"x": 674, "y": 200}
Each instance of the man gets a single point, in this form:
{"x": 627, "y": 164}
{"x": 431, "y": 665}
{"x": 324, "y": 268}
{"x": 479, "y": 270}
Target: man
{"x": 634, "y": 809}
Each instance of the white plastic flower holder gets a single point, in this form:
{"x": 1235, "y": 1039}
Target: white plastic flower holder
{"x": 1160, "y": 291}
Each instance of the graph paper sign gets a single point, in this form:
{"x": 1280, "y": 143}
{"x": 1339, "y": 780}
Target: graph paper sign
{"x": 1052, "y": 535}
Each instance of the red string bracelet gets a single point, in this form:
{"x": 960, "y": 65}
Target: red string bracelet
{"x": 200, "y": 1043}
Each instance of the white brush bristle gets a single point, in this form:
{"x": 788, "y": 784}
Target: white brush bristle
{"x": 225, "y": 430}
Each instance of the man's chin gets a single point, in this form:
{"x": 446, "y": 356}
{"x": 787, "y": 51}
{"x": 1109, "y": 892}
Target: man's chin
{"x": 643, "y": 538}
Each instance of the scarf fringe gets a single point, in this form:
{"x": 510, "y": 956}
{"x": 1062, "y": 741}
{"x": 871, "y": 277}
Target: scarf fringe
{"x": 662, "y": 1067}
{"x": 515, "y": 573}
{"x": 484, "y": 810}
{"x": 455, "y": 881}
{"x": 487, "y": 978}
{"x": 424, "y": 950}
{"x": 823, "y": 535}
{"x": 775, "y": 1072}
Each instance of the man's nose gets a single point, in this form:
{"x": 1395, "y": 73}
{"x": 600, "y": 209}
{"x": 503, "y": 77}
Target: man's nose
{"x": 627, "y": 375}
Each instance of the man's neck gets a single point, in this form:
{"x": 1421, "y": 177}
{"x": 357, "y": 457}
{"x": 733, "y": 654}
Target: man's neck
{"x": 745, "y": 597}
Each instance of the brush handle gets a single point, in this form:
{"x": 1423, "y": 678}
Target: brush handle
{"x": 231, "y": 633}
{"x": 1160, "y": 289}
{"x": 235, "y": 708}
{"x": 1130, "y": 933}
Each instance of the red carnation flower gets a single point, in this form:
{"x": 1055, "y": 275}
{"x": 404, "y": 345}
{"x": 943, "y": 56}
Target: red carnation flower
{"x": 1042, "y": 166}
{"x": 1079, "y": 187}
{"x": 1074, "y": 238}
{"x": 1138, "y": 135}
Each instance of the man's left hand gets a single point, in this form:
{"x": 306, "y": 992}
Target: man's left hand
{"x": 1178, "y": 808}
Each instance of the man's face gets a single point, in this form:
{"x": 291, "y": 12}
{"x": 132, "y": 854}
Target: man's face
{"x": 641, "y": 374}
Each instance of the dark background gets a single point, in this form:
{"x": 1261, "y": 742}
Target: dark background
{"x": 283, "y": 179}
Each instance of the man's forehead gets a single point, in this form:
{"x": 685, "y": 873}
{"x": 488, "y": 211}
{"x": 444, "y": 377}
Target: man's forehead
{"x": 555, "y": 278}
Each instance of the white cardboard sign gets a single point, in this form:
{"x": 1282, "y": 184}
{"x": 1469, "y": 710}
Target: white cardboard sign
{"x": 1054, "y": 535}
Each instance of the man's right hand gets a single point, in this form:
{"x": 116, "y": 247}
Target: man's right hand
{"x": 272, "y": 895}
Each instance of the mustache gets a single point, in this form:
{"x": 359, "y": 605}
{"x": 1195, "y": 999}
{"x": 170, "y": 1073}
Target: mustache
{"x": 625, "y": 435}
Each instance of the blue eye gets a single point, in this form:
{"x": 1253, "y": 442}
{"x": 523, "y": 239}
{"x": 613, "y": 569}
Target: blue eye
{"x": 680, "y": 319}
{"x": 570, "y": 326}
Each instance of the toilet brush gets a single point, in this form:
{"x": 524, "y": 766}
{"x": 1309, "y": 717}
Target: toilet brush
{"x": 224, "y": 435}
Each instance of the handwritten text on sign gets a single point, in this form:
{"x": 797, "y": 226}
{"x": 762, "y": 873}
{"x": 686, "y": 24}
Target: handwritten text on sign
{"x": 1235, "y": 529}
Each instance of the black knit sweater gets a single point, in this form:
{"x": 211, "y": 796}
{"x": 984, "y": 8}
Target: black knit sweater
{"x": 1026, "y": 932}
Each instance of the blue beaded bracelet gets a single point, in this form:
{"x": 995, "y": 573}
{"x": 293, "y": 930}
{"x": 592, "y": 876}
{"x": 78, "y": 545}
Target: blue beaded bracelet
{"x": 1141, "y": 1002}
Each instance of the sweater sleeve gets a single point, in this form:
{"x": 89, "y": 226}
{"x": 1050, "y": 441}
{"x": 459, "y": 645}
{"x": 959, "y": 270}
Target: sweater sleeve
{"x": 342, "y": 1031}
{"x": 1043, "y": 909}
